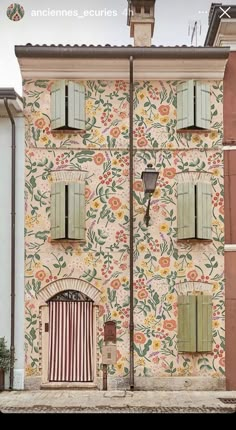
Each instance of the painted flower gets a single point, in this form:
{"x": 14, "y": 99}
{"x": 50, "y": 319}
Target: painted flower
{"x": 164, "y": 228}
{"x": 40, "y": 123}
{"x": 222, "y": 361}
{"x": 115, "y": 284}
{"x": 169, "y": 325}
{"x": 142, "y": 294}
{"x": 164, "y": 110}
{"x": 141, "y": 362}
{"x": 40, "y": 275}
{"x": 119, "y": 367}
{"x": 170, "y": 298}
{"x": 101, "y": 310}
{"x": 96, "y": 204}
{"x": 87, "y": 193}
{"x": 164, "y": 120}
{"x": 169, "y": 172}
{"x": 213, "y": 135}
{"x": 196, "y": 138}
{"x": 139, "y": 338}
{"x": 99, "y": 159}
{"x": 142, "y": 141}
{"x": 221, "y": 210}
{"x": 215, "y": 323}
{"x": 156, "y": 344}
{"x": 192, "y": 275}
{"x": 164, "y": 272}
{"x": 164, "y": 261}
{"x": 115, "y": 132}
{"x": 142, "y": 247}
{"x": 216, "y": 172}
{"x": 138, "y": 186}
{"x": 115, "y": 203}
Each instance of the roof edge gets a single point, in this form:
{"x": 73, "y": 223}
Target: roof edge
{"x": 26, "y": 51}
{"x": 215, "y": 20}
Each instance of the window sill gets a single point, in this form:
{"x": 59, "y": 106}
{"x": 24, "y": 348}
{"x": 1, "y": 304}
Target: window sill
{"x": 80, "y": 241}
{"x": 194, "y": 130}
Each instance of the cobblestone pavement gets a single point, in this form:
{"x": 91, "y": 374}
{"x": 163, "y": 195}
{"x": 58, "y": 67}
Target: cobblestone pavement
{"x": 127, "y": 410}
{"x": 94, "y": 401}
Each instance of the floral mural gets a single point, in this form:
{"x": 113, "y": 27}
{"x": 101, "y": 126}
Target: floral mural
{"x": 161, "y": 263}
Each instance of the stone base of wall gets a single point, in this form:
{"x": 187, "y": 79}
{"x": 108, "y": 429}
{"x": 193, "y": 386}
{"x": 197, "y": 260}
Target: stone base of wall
{"x": 175, "y": 383}
{"x": 33, "y": 382}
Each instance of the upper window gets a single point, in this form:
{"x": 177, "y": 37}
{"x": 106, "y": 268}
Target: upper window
{"x": 68, "y": 211}
{"x": 67, "y": 106}
{"x": 193, "y": 105}
{"x": 194, "y": 210}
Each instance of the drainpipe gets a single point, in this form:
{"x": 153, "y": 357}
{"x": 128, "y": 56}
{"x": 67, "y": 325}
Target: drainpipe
{"x": 13, "y": 216}
{"x": 131, "y": 216}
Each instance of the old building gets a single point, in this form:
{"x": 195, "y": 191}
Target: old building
{"x": 222, "y": 32}
{"x": 95, "y": 117}
{"x": 12, "y": 231}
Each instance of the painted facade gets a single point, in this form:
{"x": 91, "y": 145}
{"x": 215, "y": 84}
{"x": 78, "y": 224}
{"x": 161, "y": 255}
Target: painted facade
{"x": 164, "y": 267}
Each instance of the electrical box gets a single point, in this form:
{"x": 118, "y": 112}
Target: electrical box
{"x": 109, "y": 354}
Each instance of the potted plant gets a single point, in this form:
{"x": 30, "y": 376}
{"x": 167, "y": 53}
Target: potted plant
{"x": 5, "y": 361}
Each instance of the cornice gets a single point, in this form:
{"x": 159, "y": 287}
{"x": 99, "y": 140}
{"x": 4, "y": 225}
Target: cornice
{"x": 109, "y": 69}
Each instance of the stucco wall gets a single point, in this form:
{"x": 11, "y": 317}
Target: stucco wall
{"x": 5, "y": 243}
{"x": 161, "y": 263}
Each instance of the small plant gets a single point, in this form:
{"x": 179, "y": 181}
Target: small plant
{"x": 5, "y": 355}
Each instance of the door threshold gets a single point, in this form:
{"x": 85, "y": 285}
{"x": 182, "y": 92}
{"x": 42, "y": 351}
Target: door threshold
{"x": 68, "y": 386}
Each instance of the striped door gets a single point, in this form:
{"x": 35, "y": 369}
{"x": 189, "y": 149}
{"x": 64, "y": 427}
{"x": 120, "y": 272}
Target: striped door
{"x": 70, "y": 341}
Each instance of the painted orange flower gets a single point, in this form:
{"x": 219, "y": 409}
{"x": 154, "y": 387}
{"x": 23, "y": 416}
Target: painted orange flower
{"x": 139, "y": 338}
{"x": 142, "y": 294}
{"x": 115, "y": 203}
{"x": 169, "y": 325}
{"x": 221, "y": 210}
{"x": 115, "y": 132}
{"x": 169, "y": 172}
{"x": 142, "y": 141}
{"x": 164, "y": 109}
{"x": 164, "y": 261}
{"x": 222, "y": 362}
{"x": 40, "y": 123}
{"x": 87, "y": 193}
{"x": 192, "y": 275}
{"x": 40, "y": 275}
{"x": 138, "y": 186}
{"x": 115, "y": 284}
{"x": 99, "y": 159}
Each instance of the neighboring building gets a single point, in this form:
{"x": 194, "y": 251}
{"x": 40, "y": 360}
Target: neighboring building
{"x": 222, "y": 32}
{"x": 12, "y": 230}
{"x": 89, "y": 257}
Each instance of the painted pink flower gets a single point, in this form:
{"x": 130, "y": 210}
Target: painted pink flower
{"x": 192, "y": 275}
{"x": 142, "y": 141}
{"x": 169, "y": 325}
{"x": 139, "y": 338}
{"x": 164, "y": 109}
{"x": 99, "y": 159}
{"x": 164, "y": 261}
{"x": 169, "y": 172}
{"x": 115, "y": 203}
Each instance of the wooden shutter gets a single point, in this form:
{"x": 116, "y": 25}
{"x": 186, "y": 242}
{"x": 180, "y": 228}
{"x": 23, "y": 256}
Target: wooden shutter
{"x": 187, "y": 323}
{"x": 204, "y": 323}
{"x": 58, "y": 105}
{"x": 58, "y": 210}
{"x": 185, "y": 105}
{"x": 204, "y": 210}
{"x": 76, "y": 105}
{"x": 203, "y": 105}
{"x": 186, "y": 210}
{"x": 76, "y": 207}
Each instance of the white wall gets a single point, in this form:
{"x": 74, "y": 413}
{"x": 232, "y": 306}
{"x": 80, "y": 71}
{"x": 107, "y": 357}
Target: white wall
{"x": 5, "y": 243}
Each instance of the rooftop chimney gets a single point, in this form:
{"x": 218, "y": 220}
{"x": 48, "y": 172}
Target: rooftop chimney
{"x": 141, "y": 21}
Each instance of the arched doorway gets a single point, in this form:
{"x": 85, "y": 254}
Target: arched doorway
{"x": 68, "y": 333}
{"x": 70, "y": 337}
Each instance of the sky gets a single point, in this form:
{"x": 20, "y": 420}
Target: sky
{"x": 92, "y": 22}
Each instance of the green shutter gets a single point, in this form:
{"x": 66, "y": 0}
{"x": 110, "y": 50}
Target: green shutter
{"x": 186, "y": 210}
{"x": 76, "y": 105}
{"x": 76, "y": 206}
{"x": 185, "y": 105}
{"x": 203, "y": 105}
{"x": 58, "y": 210}
{"x": 204, "y": 210}
{"x": 204, "y": 323}
{"x": 58, "y": 107}
{"x": 187, "y": 323}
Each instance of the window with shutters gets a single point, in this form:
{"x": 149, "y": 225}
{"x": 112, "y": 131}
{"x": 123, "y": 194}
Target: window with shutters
{"x": 68, "y": 211}
{"x": 195, "y": 323}
{"x": 194, "y": 210}
{"x": 67, "y": 106}
{"x": 193, "y": 105}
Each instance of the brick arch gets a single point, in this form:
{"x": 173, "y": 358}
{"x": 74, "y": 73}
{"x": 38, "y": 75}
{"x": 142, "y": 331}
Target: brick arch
{"x": 55, "y": 287}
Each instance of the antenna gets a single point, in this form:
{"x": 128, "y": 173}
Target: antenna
{"x": 194, "y": 29}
